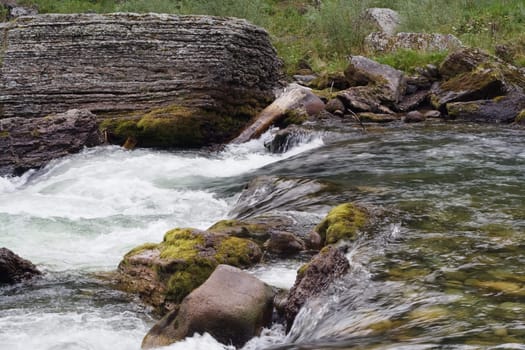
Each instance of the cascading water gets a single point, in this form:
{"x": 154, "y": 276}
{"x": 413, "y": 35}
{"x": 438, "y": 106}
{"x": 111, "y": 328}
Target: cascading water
{"x": 440, "y": 269}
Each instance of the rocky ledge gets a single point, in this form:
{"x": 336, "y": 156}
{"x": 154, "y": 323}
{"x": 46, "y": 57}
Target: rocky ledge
{"x": 204, "y": 72}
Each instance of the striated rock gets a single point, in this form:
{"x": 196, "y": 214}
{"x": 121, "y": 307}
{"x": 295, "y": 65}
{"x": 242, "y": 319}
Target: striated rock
{"x": 385, "y": 19}
{"x": 497, "y": 110}
{"x": 295, "y": 102}
{"x": 313, "y": 278}
{"x": 413, "y": 101}
{"x": 123, "y": 64}
{"x": 27, "y": 143}
{"x": 163, "y": 274}
{"x": 231, "y": 305}
{"x": 462, "y": 61}
{"x": 14, "y": 269}
{"x": 382, "y": 42}
{"x": 478, "y": 85}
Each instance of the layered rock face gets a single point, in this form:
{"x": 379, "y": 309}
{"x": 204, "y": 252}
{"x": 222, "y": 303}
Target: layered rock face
{"x": 120, "y": 62}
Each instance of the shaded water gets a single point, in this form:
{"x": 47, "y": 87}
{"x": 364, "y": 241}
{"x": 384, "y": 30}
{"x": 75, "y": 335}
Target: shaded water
{"x": 441, "y": 267}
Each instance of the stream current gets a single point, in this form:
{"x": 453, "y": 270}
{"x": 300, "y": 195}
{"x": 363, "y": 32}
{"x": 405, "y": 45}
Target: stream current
{"x": 441, "y": 267}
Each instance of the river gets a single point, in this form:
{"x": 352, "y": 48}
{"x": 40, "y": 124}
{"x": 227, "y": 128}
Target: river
{"x": 441, "y": 268}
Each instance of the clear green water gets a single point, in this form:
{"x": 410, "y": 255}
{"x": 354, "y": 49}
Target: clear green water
{"x": 441, "y": 268}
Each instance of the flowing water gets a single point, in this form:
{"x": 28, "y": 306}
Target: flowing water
{"x": 440, "y": 268}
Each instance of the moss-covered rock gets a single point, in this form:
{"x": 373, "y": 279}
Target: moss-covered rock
{"x": 175, "y": 126}
{"x": 164, "y": 273}
{"x": 342, "y": 222}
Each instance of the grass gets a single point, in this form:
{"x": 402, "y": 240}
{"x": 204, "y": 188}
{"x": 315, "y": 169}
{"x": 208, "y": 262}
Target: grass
{"x": 323, "y": 33}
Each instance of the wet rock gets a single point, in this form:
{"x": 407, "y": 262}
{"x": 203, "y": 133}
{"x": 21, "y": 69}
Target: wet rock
{"x": 288, "y": 138}
{"x": 14, "y": 269}
{"x": 313, "y": 278}
{"x": 284, "y": 243}
{"x": 520, "y": 118}
{"x": 231, "y": 305}
{"x": 163, "y": 274}
{"x": 382, "y": 42}
{"x": 296, "y": 102}
{"x": 503, "y": 109}
{"x": 432, "y": 114}
{"x": 124, "y": 65}
{"x": 385, "y": 19}
{"x": 414, "y": 117}
{"x": 264, "y": 194}
{"x": 27, "y": 143}
{"x": 342, "y": 222}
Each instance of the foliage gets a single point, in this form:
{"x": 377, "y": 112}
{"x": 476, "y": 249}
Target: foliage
{"x": 325, "y": 32}
{"x": 408, "y": 60}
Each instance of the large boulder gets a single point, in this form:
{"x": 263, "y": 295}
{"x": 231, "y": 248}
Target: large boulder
{"x": 206, "y": 73}
{"x": 296, "y": 102}
{"x": 380, "y": 42}
{"x": 385, "y": 19}
{"x": 14, "y": 269}
{"x": 163, "y": 274}
{"x": 375, "y": 87}
{"x": 505, "y": 109}
{"x": 27, "y": 143}
{"x": 313, "y": 278}
{"x": 231, "y": 305}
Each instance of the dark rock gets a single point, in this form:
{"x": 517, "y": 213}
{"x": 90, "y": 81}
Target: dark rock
{"x": 385, "y": 19}
{"x": 498, "y": 110}
{"x": 314, "y": 278}
{"x": 413, "y": 101}
{"x": 163, "y": 274}
{"x": 284, "y": 243}
{"x": 477, "y": 76}
{"x": 382, "y": 42}
{"x": 288, "y": 138}
{"x": 335, "y": 105}
{"x": 123, "y": 65}
{"x": 414, "y": 117}
{"x": 27, "y": 143}
{"x": 14, "y": 269}
{"x": 231, "y": 305}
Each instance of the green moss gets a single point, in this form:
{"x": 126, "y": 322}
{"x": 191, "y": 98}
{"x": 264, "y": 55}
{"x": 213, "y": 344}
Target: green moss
{"x": 237, "y": 252}
{"x": 295, "y": 116}
{"x": 4, "y": 134}
{"x": 181, "y": 244}
{"x": 456, "y": 109}
{"x": 481, "y": 78}
{"x": 342, "y": 222}
{"x": 240, "y": 229}
{"x": 409, "y": 60}
{"x": 141, "y": 248}
{"x": 182, "y": 282}
{"x": 520, "y": 118}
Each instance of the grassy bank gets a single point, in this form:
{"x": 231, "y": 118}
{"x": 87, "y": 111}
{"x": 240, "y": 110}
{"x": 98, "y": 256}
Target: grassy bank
{"x": 324, "y": 32}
